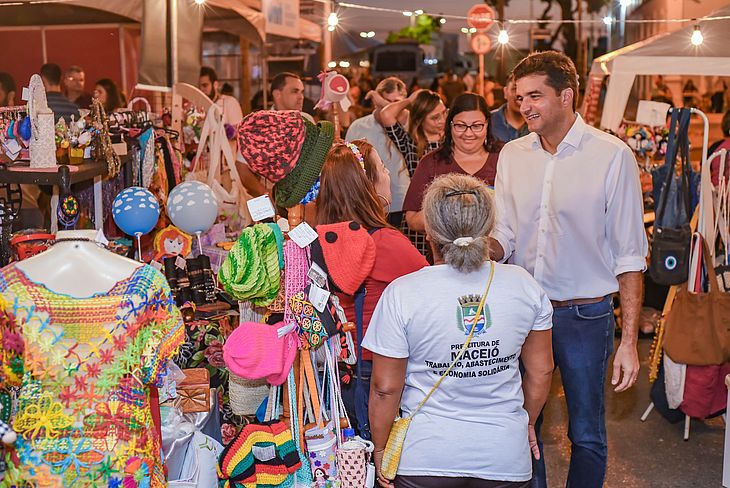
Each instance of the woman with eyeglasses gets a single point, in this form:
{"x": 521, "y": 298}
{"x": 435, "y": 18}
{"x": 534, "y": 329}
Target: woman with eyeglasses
{"x": 469, "y": 148}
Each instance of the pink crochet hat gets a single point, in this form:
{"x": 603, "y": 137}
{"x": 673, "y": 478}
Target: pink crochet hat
{"x": 254, "y": 351}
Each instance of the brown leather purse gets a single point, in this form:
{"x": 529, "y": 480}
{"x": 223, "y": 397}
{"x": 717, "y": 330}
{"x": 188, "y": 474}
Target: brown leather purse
{"x": 698, "y": 325}
{"x": 193, "y": 393}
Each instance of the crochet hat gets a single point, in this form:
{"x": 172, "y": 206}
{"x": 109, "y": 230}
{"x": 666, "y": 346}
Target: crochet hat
{"x": 346, "y": 251}
{"x": 252, "y": 269}
{"x": 271, "y": 142}
{"x": 294, "y": 187}
{"x": 255, "y": 351}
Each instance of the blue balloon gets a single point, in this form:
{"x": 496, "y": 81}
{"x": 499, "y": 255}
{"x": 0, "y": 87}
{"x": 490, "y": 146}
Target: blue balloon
{"x": 192, "y": 207}
{"x": 135, "y": 210}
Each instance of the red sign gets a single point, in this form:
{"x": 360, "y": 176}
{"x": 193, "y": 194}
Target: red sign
{"x": 481, "y": 44}
{"x": 480, "y": 17}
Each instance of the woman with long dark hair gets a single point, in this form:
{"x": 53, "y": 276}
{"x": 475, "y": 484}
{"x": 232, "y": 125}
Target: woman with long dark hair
{"x": 425, "y": 121}
{"x": 468, "y": 148}
{"x": 108, "y": 94}
{"x": 347, "y": 194}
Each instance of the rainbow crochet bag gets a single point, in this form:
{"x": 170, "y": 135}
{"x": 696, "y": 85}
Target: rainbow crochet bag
{"x": 397, "y": 436}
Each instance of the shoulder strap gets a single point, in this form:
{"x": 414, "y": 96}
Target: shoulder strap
{"x": 466, "y": 344}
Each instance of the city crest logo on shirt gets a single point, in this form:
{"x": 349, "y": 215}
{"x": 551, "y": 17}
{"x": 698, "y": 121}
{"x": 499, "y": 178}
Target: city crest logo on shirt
{"x": 466, "y": 314}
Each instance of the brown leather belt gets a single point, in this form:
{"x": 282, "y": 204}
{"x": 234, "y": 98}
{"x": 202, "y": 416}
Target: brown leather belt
{"x": 575, "y": 301}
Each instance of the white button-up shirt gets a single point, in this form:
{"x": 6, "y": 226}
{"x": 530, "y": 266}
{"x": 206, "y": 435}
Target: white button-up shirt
{"x": 573, "y": 219}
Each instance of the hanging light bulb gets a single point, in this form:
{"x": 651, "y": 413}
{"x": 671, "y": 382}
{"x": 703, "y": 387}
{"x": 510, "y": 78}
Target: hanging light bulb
{"x": 697, "y": 37}
{"x": 442, "y": 21}
{"x": 200, "y": 2}
{"x": 332, "y": 21}
{"x": 503, "y": 37}
{"x": 608, "y": 20}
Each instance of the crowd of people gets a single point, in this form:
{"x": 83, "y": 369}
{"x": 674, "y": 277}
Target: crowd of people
{"x": 526, "y": 182}
{"x": 486, "y": 187}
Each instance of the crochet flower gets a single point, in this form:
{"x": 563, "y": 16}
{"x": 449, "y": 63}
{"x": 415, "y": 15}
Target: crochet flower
{"x": 137, "y": 473}
{"x": 12, "y": 341}
{"x": 228, "y": 433}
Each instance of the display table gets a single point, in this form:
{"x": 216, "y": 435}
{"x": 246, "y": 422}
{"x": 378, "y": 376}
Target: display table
{"x": 60, "y": 178}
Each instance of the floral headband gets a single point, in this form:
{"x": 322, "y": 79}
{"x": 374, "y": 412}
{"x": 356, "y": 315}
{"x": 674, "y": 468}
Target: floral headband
{"x": 357, "y": 154}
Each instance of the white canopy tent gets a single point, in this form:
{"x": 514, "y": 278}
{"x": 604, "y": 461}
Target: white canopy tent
{"x": 664, "y": 54}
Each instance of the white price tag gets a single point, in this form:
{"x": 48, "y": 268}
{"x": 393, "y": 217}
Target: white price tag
{"x": 303, "y": 235}
{"x": 261, "y": 208}
{"x": 318, "y": 297}
{"x": 181, "y": 263}
{"x": 283, "y": 224}
{"x": 26, "y": 94}
{"x": 317, "y": 275}
{"x": 157, "y": 265}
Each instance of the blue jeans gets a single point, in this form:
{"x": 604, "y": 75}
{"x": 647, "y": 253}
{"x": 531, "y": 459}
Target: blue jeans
{"x": 582, "y": 345}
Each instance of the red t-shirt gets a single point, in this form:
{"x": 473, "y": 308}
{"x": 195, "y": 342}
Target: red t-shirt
{"x": 395, "y": 256}
{"x": 432, "y": 166}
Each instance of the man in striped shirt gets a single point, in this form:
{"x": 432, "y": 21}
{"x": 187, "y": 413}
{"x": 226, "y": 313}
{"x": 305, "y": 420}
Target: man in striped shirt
{"x": 61, "y": 106}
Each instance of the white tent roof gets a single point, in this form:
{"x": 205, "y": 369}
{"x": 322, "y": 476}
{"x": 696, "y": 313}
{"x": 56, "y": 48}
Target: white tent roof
{"x": 664, "y": 54}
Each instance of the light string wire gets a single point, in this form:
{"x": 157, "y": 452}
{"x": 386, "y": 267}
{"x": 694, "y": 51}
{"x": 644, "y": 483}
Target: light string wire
{"x": 532, "y": 21}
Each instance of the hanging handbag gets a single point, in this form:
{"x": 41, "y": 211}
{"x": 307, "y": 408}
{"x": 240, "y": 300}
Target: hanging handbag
{"x": 43, "y": 128}
{"x": 397, "y": 436}
{"x": 669, "y": 261}
{"x": 698, "y": 325}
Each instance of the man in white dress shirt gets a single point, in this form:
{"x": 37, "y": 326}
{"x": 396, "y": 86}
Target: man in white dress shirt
{"x": 570, "y": 212}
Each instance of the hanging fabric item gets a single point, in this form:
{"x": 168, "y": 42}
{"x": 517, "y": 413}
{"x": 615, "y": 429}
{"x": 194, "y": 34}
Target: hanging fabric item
{"x": 147, "y": 158}
{"x": 104, "y": 151}
{"x": 42, "y": 141}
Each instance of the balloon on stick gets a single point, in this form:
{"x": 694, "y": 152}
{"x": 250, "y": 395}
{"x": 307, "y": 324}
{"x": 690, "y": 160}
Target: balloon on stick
{"x": 135, "y": 211}
{"x": 193, "y": 208}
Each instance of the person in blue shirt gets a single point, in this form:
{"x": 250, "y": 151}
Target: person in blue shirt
{"x": 507, "y": 121}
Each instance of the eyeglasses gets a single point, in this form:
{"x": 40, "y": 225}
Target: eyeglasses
{"x": 476, "y": 128}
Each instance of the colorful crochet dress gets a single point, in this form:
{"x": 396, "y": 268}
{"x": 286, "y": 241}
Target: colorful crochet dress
{"x": 84, "y": 366}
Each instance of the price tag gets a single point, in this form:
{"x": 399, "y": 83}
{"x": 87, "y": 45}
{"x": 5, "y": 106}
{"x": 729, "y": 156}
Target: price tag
{"x": 317, "y": 275}
{"x": 303, "y": 235}
{"x": 26, "y": 94}
{"x": 181, "y": 263}
{"x": 157, "y": 265}
{"x": 318, "y": 297}
{"x": 283, "y": 224}
{"x": 12, "y": 148}
{"x": 261, "y": 208}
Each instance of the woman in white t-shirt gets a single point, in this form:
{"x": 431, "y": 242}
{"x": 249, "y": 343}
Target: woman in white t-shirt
{"x": 477, "y": 429}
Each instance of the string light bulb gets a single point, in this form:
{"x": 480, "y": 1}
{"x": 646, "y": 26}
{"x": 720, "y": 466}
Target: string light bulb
{"x": 332, "y": 64}
{"x": 407, "y": 13}
{"x": 503, "y": 37}
{"x": 200, "y": 2}
{"x": 442, "y": 21}
{"x": 418, "y": 12}
{"x": 332, "y": 21}
{"x": 608, "y": 20}
{"x": 697, "y": 38}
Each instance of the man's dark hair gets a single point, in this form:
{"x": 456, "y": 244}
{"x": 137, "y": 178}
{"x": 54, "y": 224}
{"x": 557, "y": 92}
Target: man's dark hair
{"x": 557, "y": 67}
{"x": 278, "y": 81}
{"x": 51, "y": 72}
{"x": 209, "y": 72}
{"x": 7, "y": 82}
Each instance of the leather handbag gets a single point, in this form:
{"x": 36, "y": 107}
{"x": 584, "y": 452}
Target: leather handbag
{"x": 193, "y": 393}
{"x": 669, "y": 262}
{"x": 697, "y": 328}
{"x": 397, "y": 436}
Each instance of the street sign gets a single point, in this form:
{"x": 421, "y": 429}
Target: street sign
{"x": 481, "y": 44}
{"x": 480, "y": 17}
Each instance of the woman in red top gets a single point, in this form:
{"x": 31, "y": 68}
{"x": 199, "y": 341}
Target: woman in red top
{"x": 348, "y": 194}
{"x": 469, "y": 148}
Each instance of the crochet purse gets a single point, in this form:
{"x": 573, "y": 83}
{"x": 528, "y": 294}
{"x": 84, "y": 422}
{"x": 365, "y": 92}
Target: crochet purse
{"x": 314, "y": 326}
{"x": 397, "y": 436}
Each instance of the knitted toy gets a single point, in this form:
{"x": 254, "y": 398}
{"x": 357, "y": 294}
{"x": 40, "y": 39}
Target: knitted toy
{"x": 7, "y": 435}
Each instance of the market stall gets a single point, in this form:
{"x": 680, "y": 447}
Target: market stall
{"x": 664, "y": 54}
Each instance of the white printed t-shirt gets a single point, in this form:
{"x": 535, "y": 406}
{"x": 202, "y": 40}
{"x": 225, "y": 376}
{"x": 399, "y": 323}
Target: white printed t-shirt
{"x": 474, "y": 425}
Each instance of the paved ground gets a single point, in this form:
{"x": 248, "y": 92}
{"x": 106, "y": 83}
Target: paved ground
{"x": 647, "y": 454}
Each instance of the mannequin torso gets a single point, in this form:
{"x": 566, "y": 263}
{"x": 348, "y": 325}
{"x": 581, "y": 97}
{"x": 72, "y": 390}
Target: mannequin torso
{"x": 78, "y": 268}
